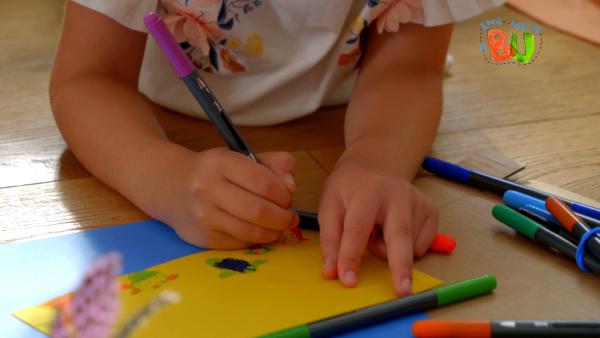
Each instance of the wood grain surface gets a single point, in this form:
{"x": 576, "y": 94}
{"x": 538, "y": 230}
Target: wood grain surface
{"x": 533, "y": 282}
{"x": 545, "y": 115}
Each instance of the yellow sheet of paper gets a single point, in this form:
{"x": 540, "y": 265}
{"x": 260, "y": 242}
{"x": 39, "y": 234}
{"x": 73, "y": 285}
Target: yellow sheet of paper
{"x": 285, "y": 289}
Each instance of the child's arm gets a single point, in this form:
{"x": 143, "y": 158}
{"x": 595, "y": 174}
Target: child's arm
{"x": 215, "y": 198}
{"x": 391, "y": 122}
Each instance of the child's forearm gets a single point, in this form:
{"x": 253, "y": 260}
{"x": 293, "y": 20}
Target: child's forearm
{"x": 112, "y": 131}
{"x": 214, "y": 198}
{"x": 395, "y": 109}
{"x": 393, "y": 116}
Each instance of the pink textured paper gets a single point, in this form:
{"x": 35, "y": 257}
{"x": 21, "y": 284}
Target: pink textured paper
{"x": 577, "y": 17}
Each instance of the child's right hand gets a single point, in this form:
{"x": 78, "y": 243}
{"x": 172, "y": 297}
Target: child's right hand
{"x": 221, "y": 199}
{"x": 216, "y": 198}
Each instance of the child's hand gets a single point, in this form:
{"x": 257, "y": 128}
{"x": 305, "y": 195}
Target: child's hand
{"x": 223, "y": 200}
{"x": 362, "y": 194}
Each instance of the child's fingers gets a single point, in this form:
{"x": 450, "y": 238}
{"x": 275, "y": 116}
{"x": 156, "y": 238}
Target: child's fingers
{"x": 331, "y": 218}
{"x": 399, "y": 241}
{"x": 281, "y": 163}
{"x": 428, "y": 230}
{"x": 240, "y": 229}
{"x": 377, "y": 247}
{"x": 225, "y": 242}
{"x": 211, "y": 239}
{"x": 278, "y": 161}
{"x": 253, "y": 208}
{"x": 359, "y": 220}
{"x": 257, "y": 179}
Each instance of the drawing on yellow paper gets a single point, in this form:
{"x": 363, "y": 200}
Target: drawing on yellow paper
{"x": 283, "y": 290}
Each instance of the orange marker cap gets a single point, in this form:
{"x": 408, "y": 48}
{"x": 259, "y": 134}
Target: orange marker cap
{"x": 443, "y": 243}
{"x": 563, "y": 214}
{"x": 451, "y": 329}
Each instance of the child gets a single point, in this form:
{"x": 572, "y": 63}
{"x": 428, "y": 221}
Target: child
{"x": 268, "y": 62}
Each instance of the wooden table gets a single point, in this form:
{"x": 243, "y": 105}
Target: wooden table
{"x": 545, "y": 115}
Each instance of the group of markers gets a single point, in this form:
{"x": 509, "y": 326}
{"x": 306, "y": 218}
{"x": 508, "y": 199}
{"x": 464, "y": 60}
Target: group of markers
{"x": 529, "y": 218}
{"x": 567, "y": 227}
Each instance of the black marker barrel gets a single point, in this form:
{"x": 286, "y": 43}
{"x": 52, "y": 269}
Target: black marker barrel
{"x": 539, "y": 328}
{"x": 548, "y": 224}
{"x": 377, "y": 313}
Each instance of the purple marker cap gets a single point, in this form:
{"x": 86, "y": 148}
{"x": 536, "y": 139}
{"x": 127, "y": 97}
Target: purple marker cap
{"x": 167, "y": 43}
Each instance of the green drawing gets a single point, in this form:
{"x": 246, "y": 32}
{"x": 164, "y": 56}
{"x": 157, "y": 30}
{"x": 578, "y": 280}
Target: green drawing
{"x": 146, "y": 280}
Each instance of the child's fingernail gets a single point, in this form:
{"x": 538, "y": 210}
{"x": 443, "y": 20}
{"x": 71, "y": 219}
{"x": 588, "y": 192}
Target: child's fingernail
{"x": 406, "y": 287}
{"x": 329, "y": 268}
{"x": 295, "y": 221}
{"x": 289, "y": 181}
{"x": 350, "y": 278}
{"x": 330, "y": 264}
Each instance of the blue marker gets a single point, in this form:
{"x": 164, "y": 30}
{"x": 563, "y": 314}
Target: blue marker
{"x": 517, "y": 200}
{"x": 536, "y": 210}
{"x": 497, "y": 185}
{"x": 541, "y": 212}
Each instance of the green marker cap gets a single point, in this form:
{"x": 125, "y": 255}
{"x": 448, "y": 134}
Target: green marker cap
{"x": 300, "y": 331}
{"x": 524, "y": 225}
{"x": 465, "y": 289}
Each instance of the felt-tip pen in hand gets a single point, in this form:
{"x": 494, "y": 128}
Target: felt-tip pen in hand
{"x": 209, "y": 103}
{"x": 505, "y": 328}
{"x": 186, "y": 70}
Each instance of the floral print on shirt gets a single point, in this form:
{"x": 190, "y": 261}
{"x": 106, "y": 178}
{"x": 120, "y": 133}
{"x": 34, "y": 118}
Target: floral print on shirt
{"x": 389, "y": 15}
{"x": 203, "y": 29}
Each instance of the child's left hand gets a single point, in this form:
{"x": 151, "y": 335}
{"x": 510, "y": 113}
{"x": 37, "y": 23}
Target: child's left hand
{"x": 362, "y": 193}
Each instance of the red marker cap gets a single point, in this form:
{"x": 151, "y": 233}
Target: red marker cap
{"x": 443, "y": 243}
{"x": 562, "y": 213}
{"x": 451, "y": 329}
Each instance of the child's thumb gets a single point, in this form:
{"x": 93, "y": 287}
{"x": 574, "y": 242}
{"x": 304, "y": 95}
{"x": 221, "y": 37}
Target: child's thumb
{"x": 283, "y": 164}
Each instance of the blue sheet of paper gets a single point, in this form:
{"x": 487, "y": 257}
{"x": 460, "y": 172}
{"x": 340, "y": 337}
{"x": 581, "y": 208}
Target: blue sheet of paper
{"x": 401, "y": 327}
{"x": 37, "y": 270}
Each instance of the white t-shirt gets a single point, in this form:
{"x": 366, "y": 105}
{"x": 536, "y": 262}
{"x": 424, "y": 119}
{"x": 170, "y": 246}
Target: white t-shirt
{"x": 270, "y": 61}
